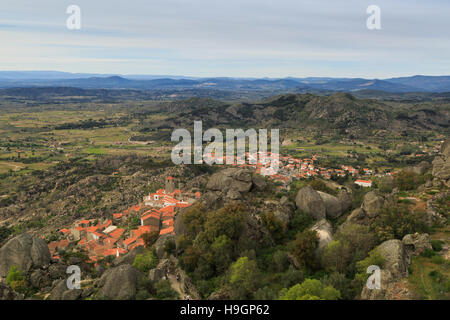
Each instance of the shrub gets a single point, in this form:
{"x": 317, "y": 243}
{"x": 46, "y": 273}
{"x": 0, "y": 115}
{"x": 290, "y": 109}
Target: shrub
{"x": 374, "y": 258}
{"x": 145, "y": 261}
{"x": 408, "y": 180}
{"x": 164, "y": 291}
{"x": 437, "y": 245}
{"x": 275, "y": 226}
{"x": 244, "y": 277}
{"x": 304, "y": 248}
{"x": 428, "y": 253}
{"x": 437, "y": 259}
{"x": 310, "y": 289}
{"x": 16, "y": 280}
{"x": 397, "y": 221}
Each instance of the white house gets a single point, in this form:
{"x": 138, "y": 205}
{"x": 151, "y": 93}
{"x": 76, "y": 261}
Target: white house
{"x": 364, "y": 183}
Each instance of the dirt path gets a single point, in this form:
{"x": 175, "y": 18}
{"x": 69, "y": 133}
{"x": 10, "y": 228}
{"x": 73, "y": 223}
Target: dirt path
{"x": 14, "y": 166}
{"x": 177, "y": 286}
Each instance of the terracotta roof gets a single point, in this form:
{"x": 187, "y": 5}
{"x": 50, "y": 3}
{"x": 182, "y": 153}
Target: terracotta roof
{"x": 116, "y": 233}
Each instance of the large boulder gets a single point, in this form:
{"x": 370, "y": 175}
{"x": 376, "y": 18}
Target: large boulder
{"x": 358, "y": 216}
{"x": 40, "y": 279}
{"x": 57, "y": 271}
{"x": 395, "y": 258}
{"x": 229, "y": 185}
{"x": 324, "y": 231}
{"x": 345, "y": 199}
{"x": 25, "y": 252}
{"x": 119, "y": 283}
{"x": 159, "y": 245}
{"x": 232, "y": 178}
{"x": 285, "y": 210}
{"x": 392, "y": 274}
{"x": 309, "y": 201}
{"x": 333, "y": 206}
{"x": 372, "y": 204}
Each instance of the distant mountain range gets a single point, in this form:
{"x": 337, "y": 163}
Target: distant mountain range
{"x": 11, "y": 79}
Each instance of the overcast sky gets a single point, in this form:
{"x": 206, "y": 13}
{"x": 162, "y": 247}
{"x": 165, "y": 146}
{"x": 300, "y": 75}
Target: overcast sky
{"x": 240, "y": 38}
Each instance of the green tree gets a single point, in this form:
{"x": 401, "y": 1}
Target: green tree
{"x": 374, "y": 258}
{"x": 16, "y": 280}
{"x": 244, "y": 275}
{"x": 352, "y": 243}
{"x": 164, "y": 291}
{"x": 397, "y": 221}
{"x": 310, "y": 289}
{"x": 304, "y": 248}
{"x": 145, "y": 261}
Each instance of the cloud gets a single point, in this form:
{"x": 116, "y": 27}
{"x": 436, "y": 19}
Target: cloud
{"x": 228, "y": 38}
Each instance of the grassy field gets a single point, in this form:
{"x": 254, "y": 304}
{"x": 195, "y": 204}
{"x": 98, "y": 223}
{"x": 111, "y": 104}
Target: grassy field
{"x": 430, "y": 276}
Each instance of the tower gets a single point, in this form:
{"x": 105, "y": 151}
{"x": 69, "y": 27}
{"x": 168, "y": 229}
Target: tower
{"x": 170, "y": 184}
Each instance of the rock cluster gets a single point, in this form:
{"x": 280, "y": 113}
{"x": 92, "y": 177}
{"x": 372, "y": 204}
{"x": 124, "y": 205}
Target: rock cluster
{"x": 396, "y": 255}
{"x": 321, "y": 205}
{"x": 229, "y": 185}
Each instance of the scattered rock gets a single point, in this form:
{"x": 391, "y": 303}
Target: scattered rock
{"x": 74, "y": 294}
{"x": 57, "y": 271}
{"x": 6, "y": 293}
{"x": 40, "y": 279}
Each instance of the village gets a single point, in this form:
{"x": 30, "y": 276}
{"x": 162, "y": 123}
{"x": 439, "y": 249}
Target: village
{"x": 157, "y": 211}
{"x": 290, "y": 168}
{"x": 101, "y": 239}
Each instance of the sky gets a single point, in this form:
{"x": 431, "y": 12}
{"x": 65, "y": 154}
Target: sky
{"x": 232, "y": 38}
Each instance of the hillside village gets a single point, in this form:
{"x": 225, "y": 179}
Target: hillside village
{"x": 101, "y": 239}
{"x": 291, "y": 168}
{"x": 157, "y": 211}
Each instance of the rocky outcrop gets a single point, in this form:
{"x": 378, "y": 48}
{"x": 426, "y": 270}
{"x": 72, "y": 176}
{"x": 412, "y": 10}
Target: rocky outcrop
{"x": 358, "y": 216}
{"x": 345, "y": 199}
{"x": 320, "y": 204}
{"x": 333, "y": 206}
{"x": 421, "y": 168}
{"x": 128, "y": 258}
{"x": 40, "y": 279}
{"x": 6, "y": 293}
{"x": 394, "y": 270}
{"x": 372, "y": 204}
{"x": 395, "y": 258}
{"x": 309, "y": 201}
{"x": 230, "y": 185}
{"x": 159, "y": 245}
{"x": 119, "y": 283}
{"x": 441, "y": 164}
{"x": 416, "y": 243}
{"x": 284, "y": 210}
{"x": 25, "y": 252}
